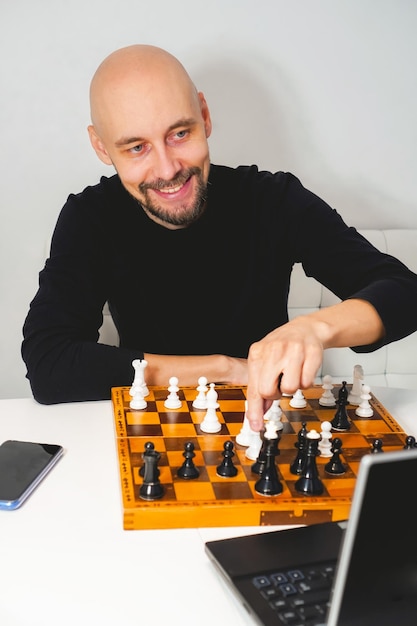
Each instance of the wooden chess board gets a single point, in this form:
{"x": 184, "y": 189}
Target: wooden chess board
{"x": 210, "y": 500}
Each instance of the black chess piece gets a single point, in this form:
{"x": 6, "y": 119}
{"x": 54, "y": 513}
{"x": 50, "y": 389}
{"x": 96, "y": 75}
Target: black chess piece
{"x": 268, "y": 483}
{"x": 377, "y": 446}
{"x": 151, "y": 488}
{"x": 188, "y": 469}
{"x": 257, "y": 467}
{"x": 310, "y": 482}
{"x": 296, "y": 466}
{"x": 226, "y": 467}
{"x": 341, "y": 420}
{"x": 148, "y": 446}
{"x": 410, "y": 442}
{"x": 335, "y": 465}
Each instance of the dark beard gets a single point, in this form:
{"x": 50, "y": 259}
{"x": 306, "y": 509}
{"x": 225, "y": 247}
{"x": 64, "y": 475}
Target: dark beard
{"x": 187, "y": 215}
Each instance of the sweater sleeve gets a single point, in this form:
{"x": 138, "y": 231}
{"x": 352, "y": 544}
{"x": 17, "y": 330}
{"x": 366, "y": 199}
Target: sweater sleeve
{"x": 63, "y": 359}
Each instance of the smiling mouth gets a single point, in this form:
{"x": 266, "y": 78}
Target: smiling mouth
{"x": 170, "y": 190}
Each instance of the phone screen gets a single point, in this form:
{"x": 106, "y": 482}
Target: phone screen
{"x": 23, "y": 464}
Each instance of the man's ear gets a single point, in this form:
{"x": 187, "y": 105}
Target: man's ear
{"x": 98, "y": 146}
{"x": 205, "y": 113}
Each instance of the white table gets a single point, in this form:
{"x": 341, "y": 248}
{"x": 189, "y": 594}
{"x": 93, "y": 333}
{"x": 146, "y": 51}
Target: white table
{"x": 65, "y": 558}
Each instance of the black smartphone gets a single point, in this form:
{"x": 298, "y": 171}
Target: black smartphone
{"x": 23, "y": 464}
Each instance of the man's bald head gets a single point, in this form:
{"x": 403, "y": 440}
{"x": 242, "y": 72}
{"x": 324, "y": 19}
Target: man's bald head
{"x": 151, "y": 124}
{"x": 132, "y": 72}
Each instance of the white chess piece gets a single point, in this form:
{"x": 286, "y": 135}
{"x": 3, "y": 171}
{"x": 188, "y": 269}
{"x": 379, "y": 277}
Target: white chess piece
{"x": 243, "y": 438}
{"x": 173, "y": 401}
{"x": 139, "y": 365}
{"x": 325, "y": 444}
{"x": 354, "y": 396}
{"x": 298, "y": 400}
{"x": 138, "y": 402}
{"x": 327, "y": 398}
{"x": 200, "y": 401}
{"x": 211, "y": 423}
{"x": 364, "y": 409}
{"x": 252, "y": 452}
{"x": 274, "y": 414}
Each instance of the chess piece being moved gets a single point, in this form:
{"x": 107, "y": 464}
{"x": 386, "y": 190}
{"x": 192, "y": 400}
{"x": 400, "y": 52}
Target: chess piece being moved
{"x": 310, "y": 482}
{"x": 244, "y": 437}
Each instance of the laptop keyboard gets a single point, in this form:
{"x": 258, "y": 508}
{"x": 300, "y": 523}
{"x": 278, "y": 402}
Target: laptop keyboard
{"x": 299, "y": 596}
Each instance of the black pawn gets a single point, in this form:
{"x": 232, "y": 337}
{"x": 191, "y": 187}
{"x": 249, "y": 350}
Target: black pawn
{"x": 188, "y": 469}
{"x": 410, "y": 442}
{"x": 341, "y": 419}
{"x": 151, "y": 488}
{"x": 148, "y": 446}
{"x": 335, "y": 465}
{"x": 377, "y": 446}
{"x": 226, "y": 467}
{"x": 269, "y": 483}
{"x": 296, "y": 466}
{"x": 310, "y": 482}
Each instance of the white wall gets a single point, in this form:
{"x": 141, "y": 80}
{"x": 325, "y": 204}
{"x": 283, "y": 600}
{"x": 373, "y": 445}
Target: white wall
{"x": 325, "y": 89}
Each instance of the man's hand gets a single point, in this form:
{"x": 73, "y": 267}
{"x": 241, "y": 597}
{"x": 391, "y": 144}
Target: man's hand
{"x": 285, "y": 360}
{"x": 290, "y": 356}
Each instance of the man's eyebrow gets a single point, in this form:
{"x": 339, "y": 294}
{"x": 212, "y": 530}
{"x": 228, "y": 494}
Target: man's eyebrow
{"x": 125, "y": 141}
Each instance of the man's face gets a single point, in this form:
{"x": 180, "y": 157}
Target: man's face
{"x": 157, "y": 141}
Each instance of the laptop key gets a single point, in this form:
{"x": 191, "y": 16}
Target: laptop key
{"x": 307, "y": 599}
{"x": 261, "y": 581}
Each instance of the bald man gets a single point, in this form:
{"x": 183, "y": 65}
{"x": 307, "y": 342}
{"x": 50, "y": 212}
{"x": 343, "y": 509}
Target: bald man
{"x": 194, "y": 259}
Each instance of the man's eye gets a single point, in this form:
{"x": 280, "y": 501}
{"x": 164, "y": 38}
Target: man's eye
{"x": 182, "y": 133}
{"x": 136, "y": 149}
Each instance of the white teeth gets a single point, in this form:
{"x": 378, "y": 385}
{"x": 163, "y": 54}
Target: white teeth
{"x": 171, "y": 189}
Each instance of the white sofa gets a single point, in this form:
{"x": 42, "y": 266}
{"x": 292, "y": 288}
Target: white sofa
{"x": 391, "y": 366}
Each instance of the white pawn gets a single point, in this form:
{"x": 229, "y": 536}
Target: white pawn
{"x": 138, "y": 401}
{"x": 200, "y": 401}
{"x": 364, "y": 409}
{"x": 173, "y": 401}
{"x": 298, "y": 400}
{"x": 271, "y": 431}
{"x": 211, "y": 423}
{"x": 325, "y": 444}
{"x": 252, "y": 452}
{"x": 354, "y": 396}
{"x": 244, "y": 436}
{"x": 139, "y": 365}
{"x": 327, "y": 398}
{"x": 274, "y": 414}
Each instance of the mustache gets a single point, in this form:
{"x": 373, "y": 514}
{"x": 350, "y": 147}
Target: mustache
{"x": 179, "y": 179}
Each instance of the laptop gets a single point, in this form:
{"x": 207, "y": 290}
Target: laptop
{"x": 360, "y": 572}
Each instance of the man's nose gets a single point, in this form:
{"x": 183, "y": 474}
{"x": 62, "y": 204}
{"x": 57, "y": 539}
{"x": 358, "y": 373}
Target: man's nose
{"x": 165, "y": 163}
